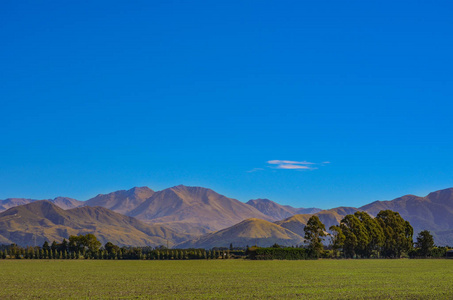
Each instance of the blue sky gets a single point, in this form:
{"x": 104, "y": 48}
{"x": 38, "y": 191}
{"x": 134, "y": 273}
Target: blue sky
{"x": 307, "y": 103}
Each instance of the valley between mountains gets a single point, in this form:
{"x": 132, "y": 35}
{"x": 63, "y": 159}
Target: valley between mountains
{"x": 184, "y": 217}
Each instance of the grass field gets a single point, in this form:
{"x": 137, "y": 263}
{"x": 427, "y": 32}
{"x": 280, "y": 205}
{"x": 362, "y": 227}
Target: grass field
{"x": 219, "y": 279}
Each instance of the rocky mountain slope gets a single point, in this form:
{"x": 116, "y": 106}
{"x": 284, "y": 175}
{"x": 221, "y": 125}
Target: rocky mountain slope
{"x": 122, "y": 201}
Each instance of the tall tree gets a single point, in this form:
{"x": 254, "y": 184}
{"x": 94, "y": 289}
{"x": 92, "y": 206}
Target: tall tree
{"x": 425, "y": 243}
{"x": 54, "y": 246}
{"x": 356, "y": 236}
{"x": 398, "y": 233}
{"x": 374, "y": 231}
{"x": 64, "y": 245}
{"x": 337, "y": 239}
{"x": 46, "y": 246}
{"x": 314, "y": 235}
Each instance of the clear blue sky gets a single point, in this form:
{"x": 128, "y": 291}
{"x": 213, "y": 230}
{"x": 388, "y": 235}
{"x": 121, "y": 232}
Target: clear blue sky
{"x": 98, "y": 96}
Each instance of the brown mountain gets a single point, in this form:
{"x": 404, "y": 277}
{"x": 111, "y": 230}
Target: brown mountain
{"x": 248, "y": 232}
{"x": 11, "y": 202}
{"x": 194, "y": 211}
{"x": 272, "y": 209}
{"x": 66, "y": 203}
{"x": 194, "y": 208}
{"x": 42, "y": 220}
{"x": 278, "y": 211}
{"x": 63, "y": 202}
{"x": 122, "y": 201}
{"x": 433, "y": 212}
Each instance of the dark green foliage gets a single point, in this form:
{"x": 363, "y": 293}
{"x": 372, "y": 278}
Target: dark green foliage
{"x": 337, "y": 239}
{"x": 314, "y": 235}
{"x": 46, "y": 246}
{"x": 360, "y": 235}
{"x": 398, "y": 234}
{"x": 82, "y": 243}
{"x": 54, "y": 246}
{"x": 64, "y": 245}
{"x": 425, "y": 243}
{"x": 374, "y": 232}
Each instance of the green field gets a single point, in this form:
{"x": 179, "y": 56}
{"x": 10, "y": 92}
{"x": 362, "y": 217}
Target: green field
{"x": 219, "y": 279}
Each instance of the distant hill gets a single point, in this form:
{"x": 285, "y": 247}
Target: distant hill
{"x": 194, "y": 207}
{"x": 42, "y": 220}
{"x": 66, "y": 203}
{"x": 122, "y": 201}
{"x": 278, "y": 211}
{"x": 328, "y": 217}
{"x": 63, "y": 202}
{"x": 248, "y": 232}
{"x": 11, "y": 202}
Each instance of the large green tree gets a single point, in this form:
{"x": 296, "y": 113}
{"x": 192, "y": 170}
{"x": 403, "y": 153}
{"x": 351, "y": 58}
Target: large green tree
{"x": 337, "y": 239}
{"x": 425, "y": 243}
{"x": 82, "y": 243}
{"x": 356, "y": 236}
{"x": 314, "y": 235}
{"x": 375, "y": 234}
{"x": 398, "y": 233}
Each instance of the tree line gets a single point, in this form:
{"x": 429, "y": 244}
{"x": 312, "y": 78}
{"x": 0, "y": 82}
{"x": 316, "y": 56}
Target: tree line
{"x": 89, "y": 247}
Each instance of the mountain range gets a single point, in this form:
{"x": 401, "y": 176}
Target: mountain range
{"x": 35, "y": 222}
{"x": 184, "y": 216}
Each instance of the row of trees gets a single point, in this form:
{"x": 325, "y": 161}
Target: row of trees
{"x": 88, "y": 247}
{"x": 360, "y": 235}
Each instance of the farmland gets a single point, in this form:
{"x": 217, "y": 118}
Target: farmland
{"x": 221, "y": 279}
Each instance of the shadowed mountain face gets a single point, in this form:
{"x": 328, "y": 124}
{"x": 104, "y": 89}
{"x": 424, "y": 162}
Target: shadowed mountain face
{"x": 42, "y": 220}
{"x": 122, "y": 201}
{"x": 248, "y": 232}
{"x": 277, "y": 211}
{"x": 195, "y": 207}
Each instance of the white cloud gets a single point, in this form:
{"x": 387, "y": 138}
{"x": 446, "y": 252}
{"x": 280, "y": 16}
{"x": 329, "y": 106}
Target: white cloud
{"x": 294, "y": 165}
{"x": 292, "y": 162}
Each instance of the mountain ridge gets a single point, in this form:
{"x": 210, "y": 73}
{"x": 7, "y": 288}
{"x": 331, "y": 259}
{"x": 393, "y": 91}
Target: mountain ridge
{"x": 193, "y": 212}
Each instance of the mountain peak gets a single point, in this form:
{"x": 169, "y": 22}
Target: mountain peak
{"x": 122, "y": 201}
{"x": 444, "y": 196}
{"x": 136, "y": 189}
